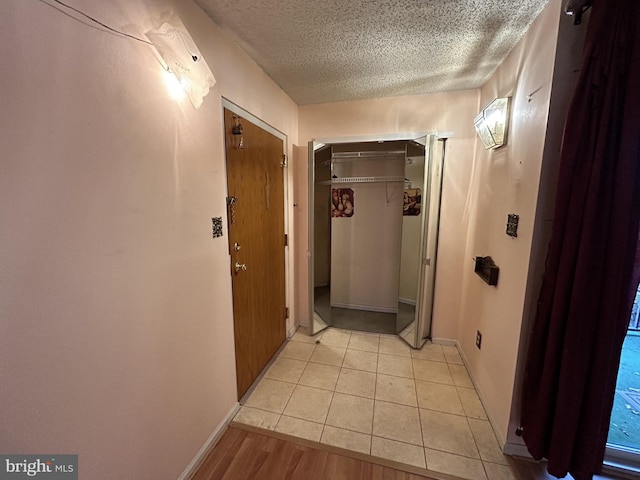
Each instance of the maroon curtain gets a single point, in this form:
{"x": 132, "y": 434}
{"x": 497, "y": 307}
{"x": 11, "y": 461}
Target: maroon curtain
{"x": 591, "y": 275}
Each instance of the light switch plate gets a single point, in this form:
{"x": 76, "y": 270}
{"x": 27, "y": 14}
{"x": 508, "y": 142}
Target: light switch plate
{"x": 512, "y": 224}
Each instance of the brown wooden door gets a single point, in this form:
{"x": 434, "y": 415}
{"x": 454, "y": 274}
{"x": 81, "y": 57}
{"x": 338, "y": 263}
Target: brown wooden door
{"x": 256, "y": 240}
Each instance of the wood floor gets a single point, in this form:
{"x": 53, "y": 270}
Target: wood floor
{"x": 242, "y": 454}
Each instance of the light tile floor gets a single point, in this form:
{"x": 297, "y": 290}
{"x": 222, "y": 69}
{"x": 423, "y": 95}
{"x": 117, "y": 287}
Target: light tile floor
{"x": 373, "y": 394}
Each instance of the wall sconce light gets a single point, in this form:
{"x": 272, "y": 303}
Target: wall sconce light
{"x": 492, "y": 123}
{"x": 182, "y": 58}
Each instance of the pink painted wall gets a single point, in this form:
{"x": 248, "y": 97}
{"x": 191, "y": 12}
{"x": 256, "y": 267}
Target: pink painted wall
{"x": 116, "y": 332}
{"x": 506, "y": 181}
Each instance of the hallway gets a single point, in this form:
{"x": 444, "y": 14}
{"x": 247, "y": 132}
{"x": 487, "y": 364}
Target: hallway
{"x": 373, "y": 394}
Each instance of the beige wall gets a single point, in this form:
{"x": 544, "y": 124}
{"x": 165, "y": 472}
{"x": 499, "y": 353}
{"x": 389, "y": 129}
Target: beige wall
{"x": 506, "y": 181}
{"x": 370, "y": 119}
{"x": 116, "y": 334}
{"x": 365, "y": 248}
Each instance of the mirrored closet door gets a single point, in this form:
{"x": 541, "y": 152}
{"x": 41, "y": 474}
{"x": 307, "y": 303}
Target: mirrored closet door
{"x": 373, "y": 218}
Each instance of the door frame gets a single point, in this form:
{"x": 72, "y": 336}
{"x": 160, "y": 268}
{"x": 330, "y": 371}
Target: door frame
{"x": 289, "y": 250}
{"x": 319, "y": 143}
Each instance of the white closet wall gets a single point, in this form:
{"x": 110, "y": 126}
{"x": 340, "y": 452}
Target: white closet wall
{"x": 365, "y": 248}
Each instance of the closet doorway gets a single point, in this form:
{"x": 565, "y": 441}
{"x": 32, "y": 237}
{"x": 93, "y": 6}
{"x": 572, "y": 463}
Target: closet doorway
{"x": 374, "y": 211}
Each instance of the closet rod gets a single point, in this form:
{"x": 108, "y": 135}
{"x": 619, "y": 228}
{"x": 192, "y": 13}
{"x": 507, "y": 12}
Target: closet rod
{"x": 366, "y": 179}
{"x": 373, "y": 153}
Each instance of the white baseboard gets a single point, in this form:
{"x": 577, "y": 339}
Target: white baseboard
{"x": 516, "y": 450}
{"x": 369, "y": 308}
{"x": 292, "y": 330}
{"x": 499, "y": 437}
{"x": 407, "y": 301}
{"x": 208, "y": 445}
{"x": 445, "y": 341}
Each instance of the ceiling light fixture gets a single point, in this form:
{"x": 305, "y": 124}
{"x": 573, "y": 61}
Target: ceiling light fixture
{"x": 492, "y": 123}
{"x": 182, "y": 58}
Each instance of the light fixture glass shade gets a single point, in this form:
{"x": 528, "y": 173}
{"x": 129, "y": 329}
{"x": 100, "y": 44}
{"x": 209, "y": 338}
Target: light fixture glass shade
{"x": 182, "y": 58}
{"x": 492, "y": 123}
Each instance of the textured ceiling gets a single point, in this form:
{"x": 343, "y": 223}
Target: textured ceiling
{"x": 337, "y": 50}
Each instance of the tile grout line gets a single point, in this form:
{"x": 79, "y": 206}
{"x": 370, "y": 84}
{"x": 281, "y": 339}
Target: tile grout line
{"x": 415, "y": 388}
{"x": 475, "y": 443}
{"x": 296, "y": 385}
{"x": 324, "y": 424}
{"x": 375, "y": 400}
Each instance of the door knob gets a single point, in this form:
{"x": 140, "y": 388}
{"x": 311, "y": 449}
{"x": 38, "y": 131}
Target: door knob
{"x": 240, "y": 266}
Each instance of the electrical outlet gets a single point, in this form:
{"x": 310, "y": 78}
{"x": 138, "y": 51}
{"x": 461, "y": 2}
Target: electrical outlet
{"x": 478, "y": 339}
